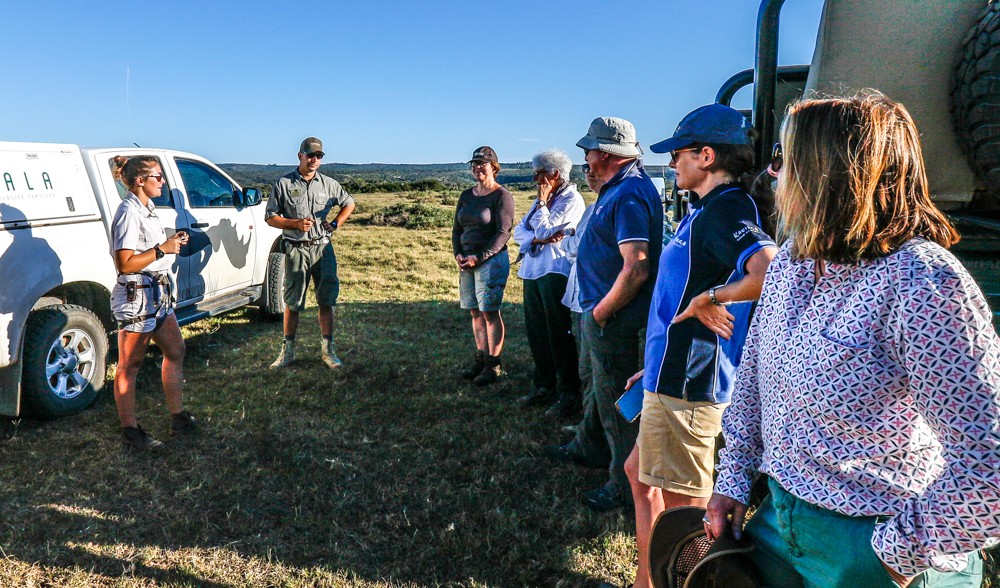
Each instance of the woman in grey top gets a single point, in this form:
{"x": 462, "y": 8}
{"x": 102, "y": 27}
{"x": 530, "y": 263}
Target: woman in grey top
{"x": 141, "y": 300}
{"x": 484, "y": 217}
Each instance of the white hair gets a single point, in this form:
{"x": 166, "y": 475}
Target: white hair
{"x": 553, "y": 161}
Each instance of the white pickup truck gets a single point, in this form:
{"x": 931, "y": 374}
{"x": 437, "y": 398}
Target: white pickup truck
{"x": 56, "y": 272}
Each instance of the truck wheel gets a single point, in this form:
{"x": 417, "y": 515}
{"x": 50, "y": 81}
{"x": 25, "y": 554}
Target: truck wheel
{"x": 975, "y": 97}
{"x": 273, "y": 308}
{"x": 65, "y": 353}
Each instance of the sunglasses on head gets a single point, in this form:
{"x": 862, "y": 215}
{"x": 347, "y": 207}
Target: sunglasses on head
{"x": 777, "y": 158}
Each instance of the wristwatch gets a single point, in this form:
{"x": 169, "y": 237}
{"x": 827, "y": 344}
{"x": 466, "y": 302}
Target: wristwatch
{"x": 715, "y": 301}
{"x": 159, "y": 252}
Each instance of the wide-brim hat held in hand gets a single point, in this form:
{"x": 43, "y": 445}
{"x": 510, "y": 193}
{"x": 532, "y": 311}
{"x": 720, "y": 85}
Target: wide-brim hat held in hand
{"x": 714, "y": 123}
{"x": 611, "y": 135}
{"x": 682, "y": 556}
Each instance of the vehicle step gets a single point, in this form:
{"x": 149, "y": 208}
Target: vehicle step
{"x": 205, "y": 309}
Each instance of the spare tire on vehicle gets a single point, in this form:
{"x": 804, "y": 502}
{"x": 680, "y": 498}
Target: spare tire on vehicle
{"x": 975, "y": 97}
{"x": 64, "y": 364}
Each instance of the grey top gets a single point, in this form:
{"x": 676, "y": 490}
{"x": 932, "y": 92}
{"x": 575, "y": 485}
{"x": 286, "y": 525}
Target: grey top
{"x": 293, "y": 198}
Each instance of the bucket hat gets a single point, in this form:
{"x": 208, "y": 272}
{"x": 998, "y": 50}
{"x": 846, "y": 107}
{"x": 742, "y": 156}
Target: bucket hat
{"x": 682, "y": 556}
{"x": 611, "y": 135}
{"x": 714, "y": 123}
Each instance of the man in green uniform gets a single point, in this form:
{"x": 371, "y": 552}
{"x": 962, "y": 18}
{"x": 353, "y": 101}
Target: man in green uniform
{"x": 300, "y": 205}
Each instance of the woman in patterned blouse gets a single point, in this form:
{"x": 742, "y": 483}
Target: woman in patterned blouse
{"x": 868, "y": 388}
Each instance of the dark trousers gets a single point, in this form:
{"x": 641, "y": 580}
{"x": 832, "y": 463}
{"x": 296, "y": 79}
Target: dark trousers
{"x": 548, "y": 323}
{"x": 614, "y": 357}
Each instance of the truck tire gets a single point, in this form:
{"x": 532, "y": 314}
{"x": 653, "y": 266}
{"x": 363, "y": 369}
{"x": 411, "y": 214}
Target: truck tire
{"x": 975, "y": 97}
{"x": 273, "y": 308}
{"x": 65, "y": 354}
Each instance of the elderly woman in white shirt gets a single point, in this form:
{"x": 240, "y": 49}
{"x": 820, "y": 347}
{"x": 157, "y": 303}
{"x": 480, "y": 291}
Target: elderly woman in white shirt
{"x": 545, "y": 270}
{"x": 869, "y": 388}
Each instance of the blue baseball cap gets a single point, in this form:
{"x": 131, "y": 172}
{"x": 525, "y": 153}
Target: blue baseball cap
{"x": 714, "y": 123}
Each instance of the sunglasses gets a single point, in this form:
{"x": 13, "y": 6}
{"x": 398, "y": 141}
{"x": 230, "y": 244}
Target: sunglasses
{"x": 777, "y": 158}
{"x": 586, "y": 168}
{"x": 314, "y": 155}
{"x": 673, "y": 154}
{"x": 476, "y": 164}
{"x": 158, "y": 177}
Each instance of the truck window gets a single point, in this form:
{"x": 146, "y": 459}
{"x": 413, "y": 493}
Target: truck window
{"x": 164, "y": 200}
{"x": 205, "y": 186}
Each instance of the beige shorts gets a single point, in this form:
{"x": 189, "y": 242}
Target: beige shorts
{"x": 677, "y": 444}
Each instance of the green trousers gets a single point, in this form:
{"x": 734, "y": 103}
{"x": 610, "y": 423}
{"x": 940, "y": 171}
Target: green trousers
{"x": 801, "y": 545}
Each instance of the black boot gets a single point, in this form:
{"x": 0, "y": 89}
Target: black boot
{"x": 477, "y": 366}
{"x": 490, "y": 373}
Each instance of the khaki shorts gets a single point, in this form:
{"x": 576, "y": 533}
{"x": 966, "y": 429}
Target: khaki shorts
{"x": 677, "y": 444}
{"x": 316, "y": 262}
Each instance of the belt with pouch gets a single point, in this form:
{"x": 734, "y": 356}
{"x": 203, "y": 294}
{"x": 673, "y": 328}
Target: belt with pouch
{"x": 157, "y": 283}
{"x": 320, "y": 241}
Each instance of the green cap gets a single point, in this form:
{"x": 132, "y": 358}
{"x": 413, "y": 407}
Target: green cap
{"x": 311, "y": 145}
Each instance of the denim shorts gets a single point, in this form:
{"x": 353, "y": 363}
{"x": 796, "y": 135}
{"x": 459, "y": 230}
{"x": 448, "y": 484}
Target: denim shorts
{"x": 482, "y": 287}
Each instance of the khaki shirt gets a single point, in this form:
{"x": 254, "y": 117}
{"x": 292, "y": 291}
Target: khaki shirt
{"x": 136, "y": 227}
{"x": 293, "y": 198}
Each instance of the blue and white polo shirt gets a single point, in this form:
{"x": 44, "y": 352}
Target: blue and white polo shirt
{"x": 710, "y": 248}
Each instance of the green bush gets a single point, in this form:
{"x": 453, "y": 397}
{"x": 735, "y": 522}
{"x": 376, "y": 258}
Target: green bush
{"x": 412, "y": 216}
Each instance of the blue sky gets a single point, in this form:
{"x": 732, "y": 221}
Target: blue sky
{"x": 393, "y": 82}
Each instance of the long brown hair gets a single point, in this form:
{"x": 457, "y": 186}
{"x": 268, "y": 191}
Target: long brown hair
{"x": 854, "y": 185}
{"x": 128, "y": 169}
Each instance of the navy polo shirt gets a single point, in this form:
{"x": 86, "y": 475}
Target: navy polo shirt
{"x": 710, "y": 248}
{"x": 628, "y": 209}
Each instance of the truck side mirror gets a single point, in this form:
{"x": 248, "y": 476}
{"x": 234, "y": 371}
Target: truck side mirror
{"x": 250, "y": 197}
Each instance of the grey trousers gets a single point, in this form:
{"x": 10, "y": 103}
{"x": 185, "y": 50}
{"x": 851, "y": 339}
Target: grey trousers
{"x": 612, "y": 352}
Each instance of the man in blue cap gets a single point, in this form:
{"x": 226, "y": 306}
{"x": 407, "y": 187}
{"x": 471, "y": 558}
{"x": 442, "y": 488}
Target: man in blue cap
{"x": 616, "y": 266}
{"x": 711, "y": 271}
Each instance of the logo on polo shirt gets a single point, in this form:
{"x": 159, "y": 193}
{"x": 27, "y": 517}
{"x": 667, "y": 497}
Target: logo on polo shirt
{"x": 748, "y": 228}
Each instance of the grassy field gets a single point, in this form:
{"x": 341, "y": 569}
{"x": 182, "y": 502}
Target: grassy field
{"x": 390, "y": 472}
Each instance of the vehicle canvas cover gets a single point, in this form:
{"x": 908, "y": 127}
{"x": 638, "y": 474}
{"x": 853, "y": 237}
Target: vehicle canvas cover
{"x": 43, "y": 183}
{"x": 908, "y": 52}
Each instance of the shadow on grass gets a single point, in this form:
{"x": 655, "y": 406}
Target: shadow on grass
{"x": 390, "y": 470}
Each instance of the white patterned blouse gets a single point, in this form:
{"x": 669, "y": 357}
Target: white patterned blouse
{"x": 875, "y": 392}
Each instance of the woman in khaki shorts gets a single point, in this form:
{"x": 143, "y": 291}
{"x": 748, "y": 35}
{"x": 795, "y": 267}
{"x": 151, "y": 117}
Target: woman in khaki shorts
{"x": 484, "y": 219}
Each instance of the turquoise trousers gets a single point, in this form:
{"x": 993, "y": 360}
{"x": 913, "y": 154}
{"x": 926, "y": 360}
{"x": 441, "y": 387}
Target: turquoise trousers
{"x": 800, "y": 545}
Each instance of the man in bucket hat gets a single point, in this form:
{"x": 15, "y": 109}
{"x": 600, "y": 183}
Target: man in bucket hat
{"x": 300, "y": 204}
{"x": 710, "y": 272}
{"x": 616, "y": 266}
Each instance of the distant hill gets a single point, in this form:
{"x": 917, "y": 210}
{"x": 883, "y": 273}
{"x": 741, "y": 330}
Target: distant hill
{"x": 400, "y": 177}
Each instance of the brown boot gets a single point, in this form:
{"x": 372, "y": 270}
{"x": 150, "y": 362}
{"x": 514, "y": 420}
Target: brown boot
{"x": 476, "y": 367}
{"x": 490, "y": 373}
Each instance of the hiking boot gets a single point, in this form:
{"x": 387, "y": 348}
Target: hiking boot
{"x": 565, "y": 407}
{"x": 568, "y": 454}
{"x": 604, "y": 499}
{"x": 490, "y": 373}
{"x": 287, "y": 355}
{"x": 136, "y": 438}
{"x": 476, "y": 367}
{"x": 329, "y": 355}
{"x": 540, "y": 395}
{"x": 183, "y": 422}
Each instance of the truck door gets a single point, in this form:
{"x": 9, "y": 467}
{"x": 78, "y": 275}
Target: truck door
{"x": 222, "y": 237}
{"x": 169, "y": 208}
